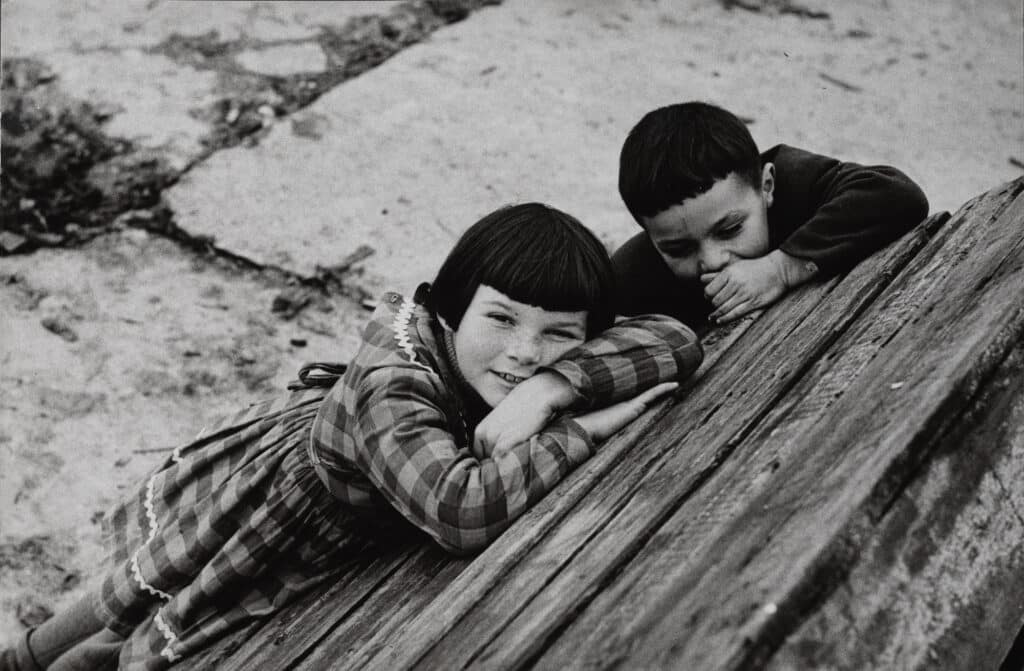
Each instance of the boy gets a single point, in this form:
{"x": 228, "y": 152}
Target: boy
{"x": 728, "y": 231}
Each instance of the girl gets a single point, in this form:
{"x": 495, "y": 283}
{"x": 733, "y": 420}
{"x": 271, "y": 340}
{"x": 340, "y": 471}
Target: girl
{"x": 464, "y": 405}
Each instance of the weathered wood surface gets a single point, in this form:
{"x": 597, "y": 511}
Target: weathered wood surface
{"x": 930, "y": 589}
{"x": 763, "y": 512}
{"x": 727, "y": 577}
{"x": 607, "y": 528}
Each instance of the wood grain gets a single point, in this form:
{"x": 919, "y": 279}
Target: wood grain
{"x": 936, "y": 584}
{"x": 295, "y": 631}
{"x": 776, "y": 540}
{"x": 581, "y": 552}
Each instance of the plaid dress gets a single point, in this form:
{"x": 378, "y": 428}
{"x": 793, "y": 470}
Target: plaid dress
{"x": 262, "y": 506}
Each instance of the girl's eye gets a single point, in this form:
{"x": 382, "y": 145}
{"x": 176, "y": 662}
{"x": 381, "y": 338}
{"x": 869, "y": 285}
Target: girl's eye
{"x": 501, "y": 319}
{"x": 564, "y": 335}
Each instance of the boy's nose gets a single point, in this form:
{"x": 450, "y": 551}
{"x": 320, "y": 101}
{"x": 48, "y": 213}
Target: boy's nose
{"x": 712, "y": 259}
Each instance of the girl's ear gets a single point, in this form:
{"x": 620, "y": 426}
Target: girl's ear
{"x": 768, "y": 184}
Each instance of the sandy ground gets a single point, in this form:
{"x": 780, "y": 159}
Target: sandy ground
{"x": 114, "y": 350}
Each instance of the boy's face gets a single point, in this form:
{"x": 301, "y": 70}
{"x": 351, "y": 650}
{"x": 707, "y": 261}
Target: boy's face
{"x": 500, "y": 342}
{"x": 706, "y": 233}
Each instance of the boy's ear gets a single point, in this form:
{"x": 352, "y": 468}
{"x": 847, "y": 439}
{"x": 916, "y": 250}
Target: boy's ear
{"x": 768, "y": 184}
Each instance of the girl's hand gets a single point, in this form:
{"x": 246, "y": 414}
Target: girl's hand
{"x": 523, "y": 413}
{"x": 601, "y": 424}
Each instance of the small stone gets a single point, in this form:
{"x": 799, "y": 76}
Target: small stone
{"x": 11, "y": 242}
{"x": 59, "y": 327}
{"x": 895, "y": 385}
{"x": 284, "y": 60}
{"x": 31, "y": 613}
{"x": 298, "y": 342}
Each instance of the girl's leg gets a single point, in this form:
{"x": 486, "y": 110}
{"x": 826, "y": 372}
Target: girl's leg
{"x": 41, "y": 646}
{"x": 98, "y": 652}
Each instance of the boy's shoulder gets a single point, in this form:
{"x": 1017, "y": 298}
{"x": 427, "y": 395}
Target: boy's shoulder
{"x": 790, "y": 161}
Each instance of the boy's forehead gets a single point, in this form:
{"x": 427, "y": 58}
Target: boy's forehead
{"x": 676, "y": 224}
{"x": 696, "y": 217}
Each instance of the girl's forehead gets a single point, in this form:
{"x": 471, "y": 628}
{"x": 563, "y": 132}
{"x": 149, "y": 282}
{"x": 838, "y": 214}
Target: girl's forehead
{"x": 488, "y": 297}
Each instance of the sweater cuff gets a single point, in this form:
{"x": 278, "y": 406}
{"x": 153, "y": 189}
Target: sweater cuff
{"x": 586, "y": 446}
{"x": 578, "y": 380}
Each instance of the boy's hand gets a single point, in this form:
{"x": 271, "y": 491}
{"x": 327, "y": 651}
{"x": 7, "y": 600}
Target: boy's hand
{"x": 601, "y": 424}
{"x": 750, "y": 284}
{"x": 524, "y": 412}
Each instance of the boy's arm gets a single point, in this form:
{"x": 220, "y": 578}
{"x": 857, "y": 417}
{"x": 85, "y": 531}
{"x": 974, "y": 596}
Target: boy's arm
{"x": 826, "y": 217}
{"x": 838, "y": 213}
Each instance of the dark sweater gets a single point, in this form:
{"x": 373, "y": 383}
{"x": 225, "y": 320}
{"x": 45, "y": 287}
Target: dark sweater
{"x": 833, "y": 213}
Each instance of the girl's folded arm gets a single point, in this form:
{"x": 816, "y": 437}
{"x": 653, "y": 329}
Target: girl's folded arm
{"x": 625, "y": 360}
{"x": 409, "y": 453}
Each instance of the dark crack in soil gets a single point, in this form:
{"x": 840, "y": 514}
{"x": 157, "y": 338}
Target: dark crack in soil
{"x": 63, "y": 177}
{"x": 64, "y": 180}
{"x": 251, "y": 100}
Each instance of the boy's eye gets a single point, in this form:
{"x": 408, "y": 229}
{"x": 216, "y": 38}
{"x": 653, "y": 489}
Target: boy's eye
{"x": 730, "y": 230}
{"x": 680, "y": 251}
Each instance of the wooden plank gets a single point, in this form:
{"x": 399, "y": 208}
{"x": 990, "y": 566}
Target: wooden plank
{"x": 936, "y": 585}
{"x": 750, "y": 553}
{"x": 287, "y": 637}
{"x": 373, "y": 590}
{"x": 383, "y": 616}
{"x": 699, "y": 409}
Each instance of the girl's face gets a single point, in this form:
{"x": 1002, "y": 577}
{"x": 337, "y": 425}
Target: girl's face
{"x": 501, "y": 342}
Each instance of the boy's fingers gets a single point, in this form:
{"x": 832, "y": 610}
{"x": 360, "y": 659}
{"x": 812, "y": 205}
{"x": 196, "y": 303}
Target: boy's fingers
{"x": 726, "y": 306}
{"x": 707, "y": 277}
{"x": 715, "y": 285}
{"x": 727, "y": 293}
{"x": 736, "y": 312}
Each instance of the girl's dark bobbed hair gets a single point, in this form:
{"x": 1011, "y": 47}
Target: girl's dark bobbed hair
{"x": 533, "y": 254}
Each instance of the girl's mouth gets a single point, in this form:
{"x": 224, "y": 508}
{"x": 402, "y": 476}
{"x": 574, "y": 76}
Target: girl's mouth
{"x": 508, "y": 377}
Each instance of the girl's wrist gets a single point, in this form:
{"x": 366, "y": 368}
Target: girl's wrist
{"x": 554, "y": 390}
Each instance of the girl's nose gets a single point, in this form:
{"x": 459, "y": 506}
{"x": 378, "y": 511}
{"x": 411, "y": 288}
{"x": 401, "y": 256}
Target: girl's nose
{"x": 524, "y": 348}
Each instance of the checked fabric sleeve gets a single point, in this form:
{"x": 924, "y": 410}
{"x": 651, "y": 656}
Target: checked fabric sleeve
{"x": 629, "y": 358}
{"x": 411, "y": 456}
{"x": 392, "y": 428}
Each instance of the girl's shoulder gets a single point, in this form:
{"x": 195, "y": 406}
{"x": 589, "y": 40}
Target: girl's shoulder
{"x": 400, "y": 332}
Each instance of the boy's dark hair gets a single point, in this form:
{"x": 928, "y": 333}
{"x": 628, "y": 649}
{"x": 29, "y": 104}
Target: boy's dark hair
{"x": 533, "y": 254}
{"x": 680, "y": 151}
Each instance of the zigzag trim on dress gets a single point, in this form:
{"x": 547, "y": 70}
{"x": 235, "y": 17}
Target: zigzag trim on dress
{"x": 401, "y": 328}
{"x": 165, "y": 630}
{"x": 168, "y": 654}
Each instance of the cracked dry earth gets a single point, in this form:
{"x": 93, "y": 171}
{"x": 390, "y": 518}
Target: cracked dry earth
{"x": 122, "y": 334}
{"x": 197, "y": 202}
